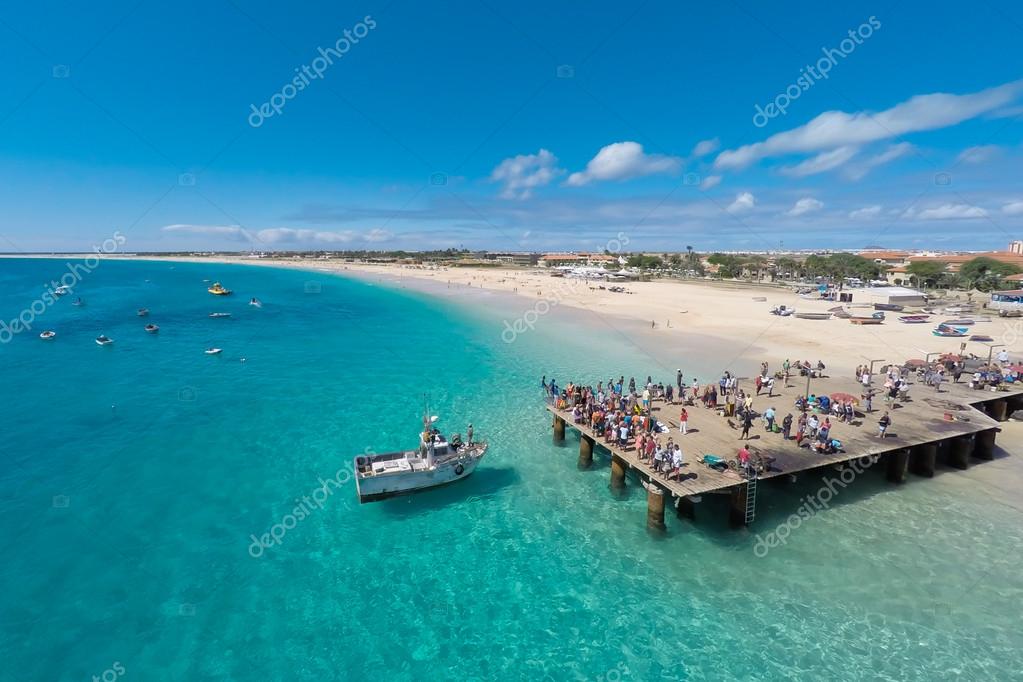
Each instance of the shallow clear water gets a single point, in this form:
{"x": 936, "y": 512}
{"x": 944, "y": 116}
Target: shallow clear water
{"x": 134, "y": 476}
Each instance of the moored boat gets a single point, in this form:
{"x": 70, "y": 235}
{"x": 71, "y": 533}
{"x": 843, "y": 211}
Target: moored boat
{"x": 867, "y": 320}
{"x": 965, "y": 322}
{"x": 104, "y": 340}
{"x": 255, "y": 302}
{"x": 219, "y": 315}
{"x": 890, "y": 307}
{"x": 214, "y": 351}
{"x": 218, "y": 290}
{"x": 914, "y": 319}
{"x": 813, "y": 316}
{"x": 945, "y": 330}
{"x": 840, "y": 312}
{"x": 435, "y": 462}
{"x": 152, "y": 328}
{"x": 142, "y": 312}
{"x": 48, "y": 334}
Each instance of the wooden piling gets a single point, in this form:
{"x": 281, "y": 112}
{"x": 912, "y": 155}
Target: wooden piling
{"x": 922, "y": 459}
{"x": 559, "y": 430}
{"x": 998, "y": 409}
{"x": 737, "y": 506}
{"x": 984, "y": 444}
{"x": 585, "y": 451}
{"x": 654, "y": 507}
{"x": 618, "y": 469}
{"x": 898, "y": 462}
{"x": 959, "y": 451}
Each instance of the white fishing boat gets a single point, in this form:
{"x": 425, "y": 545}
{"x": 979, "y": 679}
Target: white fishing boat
{"x": 256, "y": 302}
{"x": 47, "y": 335}
{"x": 214, "y": 351}
{"x": 216, "y": 316}
{"x": 435, "y": 462}
{"x": 142, "y": 312}
{"x": 104, "y": 340}
{"x": 152, "y": 328}
{"x": 62, "y": 290}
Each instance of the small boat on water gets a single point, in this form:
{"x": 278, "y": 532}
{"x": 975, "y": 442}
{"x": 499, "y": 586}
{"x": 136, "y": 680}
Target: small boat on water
{"x": 890, "y": 307}
{"x": 219, "y": 315}
{"x": 152, "y": 328}
{"x": 914, "y": 319}
{"x": 435, "y": 462}
{"x": 812, "y": 316}
{"x": 945, "y": 330}
{"x": 256, "y": 302}
{"x": 218, "y": 290}
{"x": 78, "y": 301}
{"x": 47, "y": 335}
{"x": 62, "y": 290}
{"x": 214, "y": 351}
{"x": 104, "y": 340}
{"x": 143, "y": 312}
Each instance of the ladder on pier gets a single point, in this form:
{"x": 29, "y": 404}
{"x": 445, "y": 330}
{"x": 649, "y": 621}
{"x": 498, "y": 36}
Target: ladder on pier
{"x": 751, "y": 498}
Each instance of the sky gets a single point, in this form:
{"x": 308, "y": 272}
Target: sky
{"x": 527, "y": 126}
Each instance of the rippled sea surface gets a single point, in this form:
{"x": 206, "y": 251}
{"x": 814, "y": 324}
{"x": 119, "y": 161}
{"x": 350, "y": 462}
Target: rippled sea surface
{"x": 135, "y": 476}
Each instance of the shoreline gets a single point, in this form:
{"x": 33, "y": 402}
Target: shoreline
{"x": 664, "y": 319}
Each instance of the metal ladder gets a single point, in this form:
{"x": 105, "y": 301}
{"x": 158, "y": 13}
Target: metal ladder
{"x": 751, "y": 498}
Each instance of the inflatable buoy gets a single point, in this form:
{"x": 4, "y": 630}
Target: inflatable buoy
{"x": 459, "y": 469}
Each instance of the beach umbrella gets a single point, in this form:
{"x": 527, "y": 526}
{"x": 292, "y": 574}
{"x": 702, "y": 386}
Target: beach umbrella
{"x": 915, "y": 362}
{"x": 845, "y": 398}
{"x": 1016, "y": 368}
{"x": 950, "y": 356}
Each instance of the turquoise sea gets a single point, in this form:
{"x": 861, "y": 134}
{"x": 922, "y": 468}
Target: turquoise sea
{"x": 133, "y": 477}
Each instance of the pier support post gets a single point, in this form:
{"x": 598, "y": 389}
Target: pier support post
{"x": 984, "y": 444}
{"x": 654, "y": 507}
{"x": 559, "y": 430}
{"x": 998, "y": 409}
{"x": 618, "y": 469}
{"x": 737, "y": 506}
{"x": 585, "y": 451}
{"x": 959, "y": 451}
{"x": 923, "y": 458}
{"x": 686, "y": 508}
{"x": 898, "y": 462}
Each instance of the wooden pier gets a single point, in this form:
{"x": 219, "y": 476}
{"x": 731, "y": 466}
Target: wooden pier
{"x": 953, "y": 425}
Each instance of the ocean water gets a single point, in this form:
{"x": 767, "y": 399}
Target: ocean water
{"x": 134, "y": 478}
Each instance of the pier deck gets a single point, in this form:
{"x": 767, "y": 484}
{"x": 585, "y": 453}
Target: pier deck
{"x": 919, "y": 421}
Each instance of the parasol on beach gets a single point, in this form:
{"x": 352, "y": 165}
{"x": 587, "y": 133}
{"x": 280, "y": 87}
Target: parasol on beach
{"x": 1015, "y": 368}
{"x": 845, "y": 398}
{"x": 915, "y": 362}
{"x": 950, "y": 356}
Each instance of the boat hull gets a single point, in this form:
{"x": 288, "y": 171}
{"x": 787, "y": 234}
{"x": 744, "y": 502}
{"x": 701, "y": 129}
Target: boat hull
{"x": 373, "y": 487}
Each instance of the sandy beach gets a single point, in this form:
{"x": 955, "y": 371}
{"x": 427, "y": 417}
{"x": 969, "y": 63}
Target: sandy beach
{"x": 674, "y": 311}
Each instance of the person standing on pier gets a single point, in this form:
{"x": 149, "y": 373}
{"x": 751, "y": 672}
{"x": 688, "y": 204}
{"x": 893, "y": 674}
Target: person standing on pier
{"x": 683, "y": 421}
{"x": 747, "y": 422}
{"x": 769, "y": 414}
{"x": 468, "y": 434}
{"x": 786, "y": 426}
{"x": 882, "y": 425}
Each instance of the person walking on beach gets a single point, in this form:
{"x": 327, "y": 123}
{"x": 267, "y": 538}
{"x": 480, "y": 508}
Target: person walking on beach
{"x": 786, "y": 426}
{"x": 683, "y": 421}
{"x": 882, "y": 424}
{"x": 769, "y": 418}
{"x": 747, "y": 422}
{"x": 770, "y": 387}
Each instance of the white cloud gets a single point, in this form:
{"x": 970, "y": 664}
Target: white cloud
{"x": 1013, "y": 208}
{"x": 837, "y": 128}
{"x": 710, "y": 181}
{"x": 282, "y": 235}
{"x": 866, "y": 213}
{"x": 521, "y": 174}
{"x": 706, "y": 147}
{"x": 952, "y": 212}
{"x": 978, "y": 154}
{"x": 893, "y": 152}
{"x": 743, "y": 202}
{"x": 824, "y": 161}
{"x": 621, "y": 161}
{"x": 805, "y": 205}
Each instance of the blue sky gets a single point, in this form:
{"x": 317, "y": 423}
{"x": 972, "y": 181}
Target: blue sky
{"x": 524, "y": 126}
